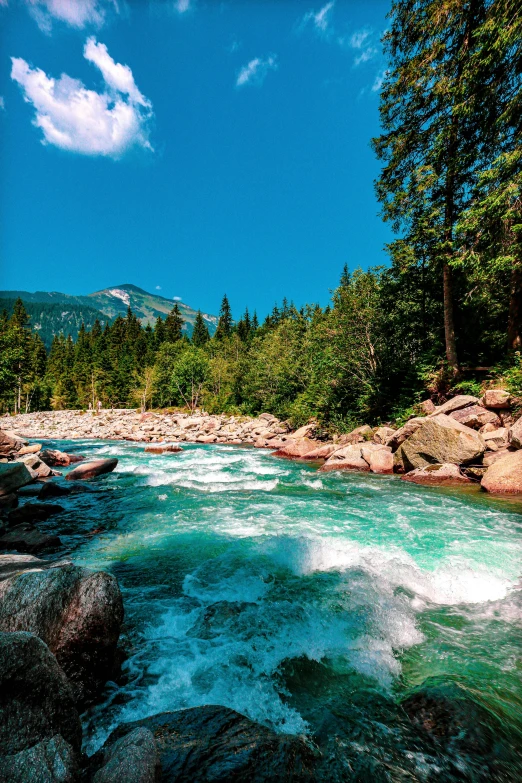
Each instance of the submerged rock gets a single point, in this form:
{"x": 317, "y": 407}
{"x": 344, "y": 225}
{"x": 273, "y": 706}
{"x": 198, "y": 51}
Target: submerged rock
{"x": 297, "y": 448}
{"x": 34, "y": 512}
{"x": 216, "y": 744}
{"x": 51, "y": 489}
{"x": 505, "y": 475}
{"x": 91, "y": 469}
{"x": 76, "y": 612}
{"x": 25, "y": 537}
{"x": 37, "y": 699}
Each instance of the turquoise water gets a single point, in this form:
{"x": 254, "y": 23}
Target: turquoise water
{"x": 310, "y": 602}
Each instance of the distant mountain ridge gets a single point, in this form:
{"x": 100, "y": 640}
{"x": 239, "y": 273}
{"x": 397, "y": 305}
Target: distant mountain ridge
{"x": 109, "y": 303}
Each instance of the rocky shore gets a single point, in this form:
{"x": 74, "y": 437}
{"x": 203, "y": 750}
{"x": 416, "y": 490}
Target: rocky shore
{"x": 60, "y": 624}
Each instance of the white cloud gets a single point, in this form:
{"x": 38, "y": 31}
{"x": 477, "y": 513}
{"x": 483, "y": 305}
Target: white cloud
{"x": 176, "y": 298}
{"x": 320, "y": 19}
{"x": 256, "y": 70}
{"x": 77, "y": 119}
{"x": 158, "y": 288}
{"x": 2, "y": 102}
{"x": 76, "y": 13}
{"x": 379, "y": 81}
{"x": 182, "y": 6}
{"x": 359, "y": 38}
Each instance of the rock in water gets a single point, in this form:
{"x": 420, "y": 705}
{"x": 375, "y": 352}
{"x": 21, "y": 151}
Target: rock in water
{"x": 13, "y": 475}
{"x": 11, "y": 565}
{"x": 217, "y": 744}
{"x": 505, "y": 475}
{"x": 133, "y": 758}
{"x": 33, "y": 512}
{"x": 76, "y": 612}
{"x": 346, "y": 458}
{"x": 440, "y": 439}
{"x": 51, "y": 490}
{"x": 49, "y": 761}
{"x": 297, "y": 448}
{"x": 436, "y": 475}
{"x": 55, "y": 458}
{"x": 37, "y": 699}
{"x": 91, "y": 469}
{"x": 25, "y": 537}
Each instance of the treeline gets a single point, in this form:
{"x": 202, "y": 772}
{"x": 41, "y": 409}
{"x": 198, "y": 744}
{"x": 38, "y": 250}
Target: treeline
{"x": 444, "y": 316}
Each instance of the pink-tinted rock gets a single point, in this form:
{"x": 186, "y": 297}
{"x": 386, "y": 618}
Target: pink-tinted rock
{"x": 381, "y": 461}
{"x": 487, "y": 428}
{"x": 427, "y": 407}
{"x": 346, "y": 458}
{"x": 321, "y": 452}
{"x": 55, "y": 458}
{"x": 460, "y": 401}
{"x": 404, "y": 432}
{"x": 498, "y": 437}
{"x": 444, "y": 474}
{"x": 505, "y": 475}
{"x": 515, "y": 434}
{"x": 475, "y": 416}
{"x": 383, "y": 434}
{"x": 496, "y": 398}
{"x": 491, "y": 457}
{"x": 34, "y": 448}
{"x": 297, "y": 449}
{"x": 91, "y": 469}
{"x": 305, "y": 431}
{"x": 170, "y": 448}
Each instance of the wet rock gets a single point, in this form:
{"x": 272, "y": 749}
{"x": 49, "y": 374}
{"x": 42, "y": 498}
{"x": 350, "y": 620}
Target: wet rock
{"x": 76, "y": 612}
{"x": 505, "y": 475}
{"x": 91, "y": 469}
{"x": 55, "y": 458}
{"x": 133, "y": 758}
{"x": 49, "y": 761}
{"x": 475, "y": 416}
{"x": 13, "y": 475}
{"x": 460, "y": 401}
{"x": 440, "y": 439}
{"x": 496, "y": 398}
{"x": 37, "y": 700}
{"x": 436, "y": 475}
{"x": 51, "y": 490}
{"x": 34, "y": 512}
{"x": 8, "y": 502}
{"x": 298, "y": 448}
{"x": 447, "y": 713}
{"x": 25, "y": 537}
{"x": 167, "y": 448}
{"x": 217, "y": 744}
{"x": 38, "y": 466}
{"x": 346, "y": 458}
{"x": 515, "y": 434}
{"x": 11, "y": 565}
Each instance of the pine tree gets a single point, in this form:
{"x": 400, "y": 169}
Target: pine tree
{"x": 255, "y": 322}
{"x": 224, "y": 327}
{"x": 159, "y": 332}
{"x": 174, "y": 325}
{"x": 200, "y": 333}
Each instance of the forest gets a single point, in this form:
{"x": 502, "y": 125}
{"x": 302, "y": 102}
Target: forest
{"x": 445, "y": 314}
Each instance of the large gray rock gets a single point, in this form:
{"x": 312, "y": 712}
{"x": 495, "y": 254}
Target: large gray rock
{"x": 475, "y": 416}
{"x": 12, "y": 565}
{"x": 133, "y": 758}
{"x": 440, "y": 439}
{"x": 437, "y": 475}
{"x": 39, "y": 467}
{"x": 346, "y": 458}
{"x": 505, "y": 475}
{"x": 217, "y": 744}
{"x": 76, "y": 612}
{"x": 49, "y": 761}
{"x": 10, "y": 443}
{"x": 515, "y": 434}
{"x": 13, "y": 475}
{"x": 37, "y": 699}
{"x": 404, "y": 432}
{"x": 456, "y": 403}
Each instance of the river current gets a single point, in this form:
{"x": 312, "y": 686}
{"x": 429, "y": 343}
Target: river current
{"x": 310, "y": 602}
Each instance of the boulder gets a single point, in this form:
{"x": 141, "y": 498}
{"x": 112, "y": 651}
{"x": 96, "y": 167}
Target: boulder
{"x": 8, "y": 502}
{"x": 133, "y": 758}
{"x": 321, "y": 452}
{"x": 383, "y": 434}
{"x": 440, "y": 439}
{"x": 460, "y": 401}
{"x": 167, "y": 448}
{"x": 37, "y": 466}
{"x": 49, "y": 761}
{"x": 514, "y": 434}
{"x": 427, "y": 407}
{"x": 10, "y": 444}
{"x": 91, "y": 469}
{"x": 305, "y": 431}
{"x": 436, "y": 475}
{"x": 379, "y": 460}
{"x": 358, "y": 435}
{"x": 34, "y": 448}
{"x": 37, "y": 699}
{"x": 297, "y": 448}
{"x": 52, "y": 490}
{"x": 491, "y": 457}
{"x": 498, "y": 437}
{"x": 505, "y": 475}
{"x": 33, "y": 512}
{"x": 214, "y": 743}
{"x": 13, "y": 475}
{"x": 475, "y": 416}
{"x": 496, "y": 398}
{"x": 404, "y": 432}
{"x": 76, "y": 612}
{"x": 55, "y": 458}
{"x": 346, "y": 458}
{"x": 25, "y": 537}
{"x": 488, "y": 428}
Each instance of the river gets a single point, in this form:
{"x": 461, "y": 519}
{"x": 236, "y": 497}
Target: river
{"x": 309, "y": 602}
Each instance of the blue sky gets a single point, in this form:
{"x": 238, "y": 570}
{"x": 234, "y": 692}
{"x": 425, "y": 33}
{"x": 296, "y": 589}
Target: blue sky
{"x": 189, "y": 147}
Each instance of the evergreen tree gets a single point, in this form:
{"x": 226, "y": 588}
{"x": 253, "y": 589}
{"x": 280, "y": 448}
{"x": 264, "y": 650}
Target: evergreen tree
{"x": 173, "y": 325}
{"x": 224, "y": 327}
{"x": 200, "y": 333}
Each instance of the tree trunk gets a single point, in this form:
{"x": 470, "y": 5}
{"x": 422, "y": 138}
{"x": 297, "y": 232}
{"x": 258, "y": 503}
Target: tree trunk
{"x": 449, "y": 326}
{"x": 515, "y": 310}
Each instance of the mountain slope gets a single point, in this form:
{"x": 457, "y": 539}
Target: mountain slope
{"x": 112, "y": 302}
